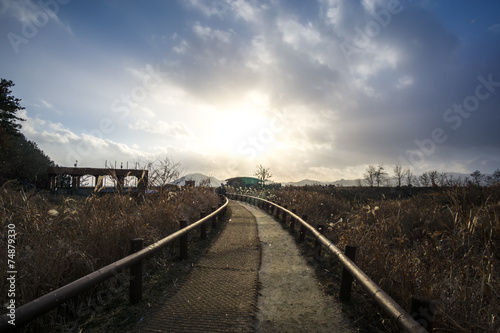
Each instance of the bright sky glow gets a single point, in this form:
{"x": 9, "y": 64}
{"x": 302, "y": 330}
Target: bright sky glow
{"x": 313, "y": 89}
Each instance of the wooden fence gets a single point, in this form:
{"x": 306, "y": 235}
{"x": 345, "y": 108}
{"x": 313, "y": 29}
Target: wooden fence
{"x": 421, "y": 318}
{"x": 32, "y": 310}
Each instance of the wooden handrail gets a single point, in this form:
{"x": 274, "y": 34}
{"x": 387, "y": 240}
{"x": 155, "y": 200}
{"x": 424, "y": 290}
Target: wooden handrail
{"x": 393, "y": 309}
{"x": 32, "y": 310}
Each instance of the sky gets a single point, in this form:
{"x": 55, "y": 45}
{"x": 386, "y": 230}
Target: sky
{"x": 316, "y": 89}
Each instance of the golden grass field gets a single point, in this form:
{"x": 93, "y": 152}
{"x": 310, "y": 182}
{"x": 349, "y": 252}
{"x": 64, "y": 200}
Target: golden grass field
{"x": 442, "y": 244}
{"x": 60, "y": 238}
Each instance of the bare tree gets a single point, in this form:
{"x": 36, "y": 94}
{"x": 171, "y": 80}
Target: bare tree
{"x": 409, "y": 176}
{"x": 369, "y": 175}
{"x": 380, "y": 174}
{"x": 424, "y": 179}
{"x": 444, "y": 179}
{"x": 161, "y": 172}
{"x": 477, "y": 178}
{"x": 264, "y": 174}
{"x": 494, "y": 178}
{"x": 433, "y": 177}
{"x": 399, "y": 174}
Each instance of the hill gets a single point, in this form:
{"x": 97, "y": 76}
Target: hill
{"x": 199, "y": 179}
{"x": 309, "y": 182}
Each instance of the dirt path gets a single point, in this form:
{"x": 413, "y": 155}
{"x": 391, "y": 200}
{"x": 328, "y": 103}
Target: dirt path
{"x": 291, "y": 299}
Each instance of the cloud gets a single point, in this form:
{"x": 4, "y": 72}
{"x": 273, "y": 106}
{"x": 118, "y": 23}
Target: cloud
{"x": 495, "y": 28}
{"x": 335, "y": 105}
{"x": 404, "y": 82}
{"x": 212, "y": 8}
{"x": 211, "y": 35}
{"x": 298, "y": 35}
{"x": 176, "y": 129}
{"x": 29, "y": 13}
{"x": 43, "y": 131}
{"x": 278, "y": 62}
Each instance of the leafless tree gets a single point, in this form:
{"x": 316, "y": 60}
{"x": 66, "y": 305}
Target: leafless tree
{"x": 380, "y": 174}
{"x": 264, "y": 174}
{"x": 409, "y": 176}
{"x": 433, "y": 177}
{"x": 369, "y": 175}
{"x": 477, "y": 178}
{"x": 444, "y": 178}
{"x": 424, "y": 179}
{"x": 399, "y": 174}
{"x": 161, "y": 172}
{"x": 494, "y": 178}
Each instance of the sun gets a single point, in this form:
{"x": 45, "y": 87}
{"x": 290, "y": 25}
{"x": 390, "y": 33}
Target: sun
{"x": 232, "y": 127}
{"x": 230, "y": 130}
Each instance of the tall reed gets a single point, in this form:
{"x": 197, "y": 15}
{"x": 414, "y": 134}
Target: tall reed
{"x": 443, "y": 245}
{"x": 60, "y": 238}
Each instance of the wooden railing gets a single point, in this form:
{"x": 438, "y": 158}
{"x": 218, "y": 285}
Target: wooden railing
{"x": 32, "y": 310}
{"x": 351, "y": 270}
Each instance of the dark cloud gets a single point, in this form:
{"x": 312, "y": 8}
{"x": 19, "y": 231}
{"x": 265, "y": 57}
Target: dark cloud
{"x": 337, "y": 95}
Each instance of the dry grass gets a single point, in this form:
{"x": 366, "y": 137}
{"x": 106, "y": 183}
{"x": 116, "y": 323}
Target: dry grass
{"x": 60, "y": 239}
{"x": 443, "y": 245}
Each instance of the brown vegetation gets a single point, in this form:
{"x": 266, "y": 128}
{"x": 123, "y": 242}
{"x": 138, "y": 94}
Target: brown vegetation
{"x": 443, "y": 245}
{"x": 60, "y": 239}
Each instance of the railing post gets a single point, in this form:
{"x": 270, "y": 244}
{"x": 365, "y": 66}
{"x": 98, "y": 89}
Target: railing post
{"x": 422, "y": 310}
{"x": 214, "y": 218}
{"x": 135, "y": 295}
{"x": 283, "y": 217}
{"x": 183, "y": 240}
{"x": 317, "y": 243}
{"x": 292, "y": 222}
{"x": 203, "y": 228}
{"x": 346, "y": 282}
{"x": 302, "y": 235}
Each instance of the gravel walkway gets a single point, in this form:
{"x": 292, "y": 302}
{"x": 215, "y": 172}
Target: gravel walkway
{"x": 291, "y": 299}
{"x": 221, "y": 293}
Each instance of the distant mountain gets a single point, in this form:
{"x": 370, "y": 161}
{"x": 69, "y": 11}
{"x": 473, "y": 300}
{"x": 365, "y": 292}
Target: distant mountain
{"x": 199, "y": 178}
{"x": 304, "y": 182}
{"x": 214, "y": 182}
{"x": 309, "y": 182}
{"x": 344, "y": 182}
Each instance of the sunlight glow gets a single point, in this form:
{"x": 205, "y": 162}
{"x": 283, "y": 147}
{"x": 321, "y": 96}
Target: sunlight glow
{"x": 240, "y": 123}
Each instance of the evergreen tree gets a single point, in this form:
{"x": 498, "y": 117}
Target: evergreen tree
{"x": 20, "y": 158}
{"x": 9, "y": 106}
